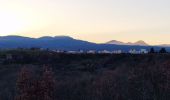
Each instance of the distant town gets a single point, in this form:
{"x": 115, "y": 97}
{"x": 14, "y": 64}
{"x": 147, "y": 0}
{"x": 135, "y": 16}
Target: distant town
{"x": 131, "y": 51}
{"x": 10, "y": 56}
{"x": 119, "y": 51}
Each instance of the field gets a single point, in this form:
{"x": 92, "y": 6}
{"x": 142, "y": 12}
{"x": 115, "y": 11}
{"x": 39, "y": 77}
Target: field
{"x": 89, "y": 76}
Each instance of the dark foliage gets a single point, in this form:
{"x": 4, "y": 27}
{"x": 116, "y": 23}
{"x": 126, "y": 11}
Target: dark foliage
{"x": 163, "y": 50}
{"x": 29, "y": 88}
{"x": 84, "y": 76}
{"x": 152, "y": 50}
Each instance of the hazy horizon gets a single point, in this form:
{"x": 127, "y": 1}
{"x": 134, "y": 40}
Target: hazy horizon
{"x": 96, "y": 21}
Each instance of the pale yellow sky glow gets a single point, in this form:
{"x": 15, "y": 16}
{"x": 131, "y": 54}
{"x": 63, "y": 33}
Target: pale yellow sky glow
{"x": 92, "y": 20}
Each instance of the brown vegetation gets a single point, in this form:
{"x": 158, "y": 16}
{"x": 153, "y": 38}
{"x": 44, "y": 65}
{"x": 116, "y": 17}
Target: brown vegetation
{"x": 30, "y": 88}
{"x": 85, "y": 77}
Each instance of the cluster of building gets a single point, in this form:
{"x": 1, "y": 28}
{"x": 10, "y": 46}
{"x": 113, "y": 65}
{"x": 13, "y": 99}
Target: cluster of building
{"x": 141, "y": 51}
{"x": 131, "y": 51}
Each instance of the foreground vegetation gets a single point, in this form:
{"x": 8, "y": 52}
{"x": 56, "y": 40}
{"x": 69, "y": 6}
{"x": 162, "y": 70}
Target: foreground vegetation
{"x": 43, "y": 75}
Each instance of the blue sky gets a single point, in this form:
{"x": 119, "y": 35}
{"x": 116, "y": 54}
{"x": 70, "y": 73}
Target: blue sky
{"x": 92, "y": 20}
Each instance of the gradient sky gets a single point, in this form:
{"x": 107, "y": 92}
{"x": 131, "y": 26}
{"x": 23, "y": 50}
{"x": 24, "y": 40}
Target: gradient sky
{"x": 93, "y": 20}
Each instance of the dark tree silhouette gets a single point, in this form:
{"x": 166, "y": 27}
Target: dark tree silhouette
{"x": 162, "y": 50}
{"x": 152, "y": 50}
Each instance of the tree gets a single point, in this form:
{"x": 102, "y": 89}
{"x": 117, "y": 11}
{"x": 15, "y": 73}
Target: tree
{"x": 24, "y": 84}
{"x": 30, "y": 88}
{"x": 152, "y": 50}
{"x": 48, "y": 84}
{"x": 162, "y": 50}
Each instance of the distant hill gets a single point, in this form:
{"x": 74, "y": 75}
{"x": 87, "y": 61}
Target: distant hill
{"x": 67, "y": 43}
{"x": 164, "y": 45}
{"x": 116, "y": 42}
{"x": 139, "y": 43}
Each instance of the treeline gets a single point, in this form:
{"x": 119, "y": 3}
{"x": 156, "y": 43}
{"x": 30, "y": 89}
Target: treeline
{"x": 162, "y": 50}
{"x": 85, "y": 76}
{"x": 34, "y": 56}
{"x": 120, "y": 77}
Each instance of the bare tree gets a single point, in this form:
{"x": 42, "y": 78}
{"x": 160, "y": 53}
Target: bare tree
{"x": 35, "y": 89}
{"x": 48, "y": 84}
{"x": 24, "y": 84}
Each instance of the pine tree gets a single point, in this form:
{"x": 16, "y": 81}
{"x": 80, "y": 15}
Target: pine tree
{"x": 152, "y": 50}
{"x": 162, "y": 50}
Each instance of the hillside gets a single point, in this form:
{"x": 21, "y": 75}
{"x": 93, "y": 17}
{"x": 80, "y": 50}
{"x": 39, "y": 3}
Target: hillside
{"x": 64, "y": 43}
{"x": 92, "y": 77}
{"x": 139, "y": 43}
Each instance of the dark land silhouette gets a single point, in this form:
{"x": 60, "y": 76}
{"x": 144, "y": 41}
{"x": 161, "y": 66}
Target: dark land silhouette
{"x": 67, "y": 43}
{"x": 45, "y": 75}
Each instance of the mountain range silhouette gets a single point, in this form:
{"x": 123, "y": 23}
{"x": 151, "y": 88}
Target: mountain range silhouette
{"x": 69, "y": 43}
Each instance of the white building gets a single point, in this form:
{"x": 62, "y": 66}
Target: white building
{"x": 105, "y": 52}
{"x": 117, "y": 51}
{"x": 143, "y": 51}
{"x": 81, "y": 51}
{"x": 72, "y": 52}
{"x": 91, "y": 52}
{"x": 58, "y": 51}
{"x": 133, "y": 51}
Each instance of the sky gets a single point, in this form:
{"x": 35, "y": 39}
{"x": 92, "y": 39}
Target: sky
{"x": 92, "y": 20}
